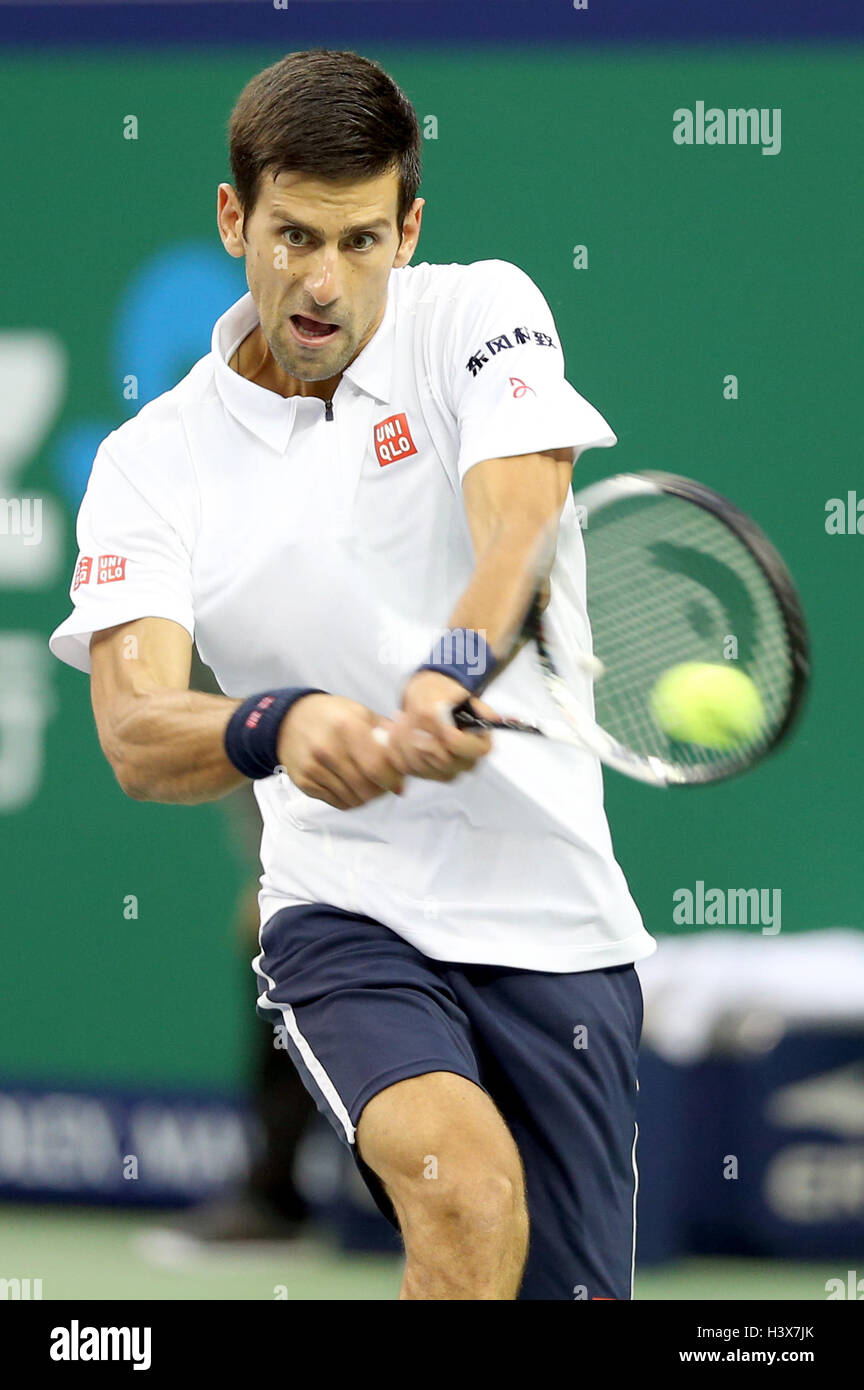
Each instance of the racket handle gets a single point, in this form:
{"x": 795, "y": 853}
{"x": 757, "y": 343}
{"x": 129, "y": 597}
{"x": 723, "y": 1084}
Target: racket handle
{"x": 464, "y": 717}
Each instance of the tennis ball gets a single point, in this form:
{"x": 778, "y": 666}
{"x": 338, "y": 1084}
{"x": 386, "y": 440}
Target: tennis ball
{"x": 704, "y": 702}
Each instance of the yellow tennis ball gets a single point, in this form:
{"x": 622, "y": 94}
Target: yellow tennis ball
{"x": 717, "y": 706}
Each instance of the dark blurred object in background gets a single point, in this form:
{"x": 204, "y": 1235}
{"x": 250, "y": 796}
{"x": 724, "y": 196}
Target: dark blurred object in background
{"x": 266, "y": 1205}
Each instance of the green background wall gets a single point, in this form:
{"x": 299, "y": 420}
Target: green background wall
{"x": 702, "y": 262}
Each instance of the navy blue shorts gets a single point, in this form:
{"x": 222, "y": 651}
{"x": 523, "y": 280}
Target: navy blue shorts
{"x": 362, "y": 1009}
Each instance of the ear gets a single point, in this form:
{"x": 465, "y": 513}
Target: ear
{"x": 229, "y": 219}
{"x": 410, "y": 233}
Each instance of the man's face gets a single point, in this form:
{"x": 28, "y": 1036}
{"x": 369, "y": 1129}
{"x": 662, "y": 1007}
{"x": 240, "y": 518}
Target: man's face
{"x": 318, "y": 258}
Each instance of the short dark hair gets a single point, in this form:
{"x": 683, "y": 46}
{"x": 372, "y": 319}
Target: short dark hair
{"x": 325, "y": 112}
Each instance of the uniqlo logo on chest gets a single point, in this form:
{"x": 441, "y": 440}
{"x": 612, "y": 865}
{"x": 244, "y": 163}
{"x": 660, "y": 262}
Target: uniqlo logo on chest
{"x": 111, "y": 568}
{"x": 82, "y": 570}
{"x": 393, "y": 440}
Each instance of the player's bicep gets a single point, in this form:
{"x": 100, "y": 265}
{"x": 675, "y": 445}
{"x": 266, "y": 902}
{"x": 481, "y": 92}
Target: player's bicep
{"x": 522, "y": 492}
{"x": 130, "y": 661}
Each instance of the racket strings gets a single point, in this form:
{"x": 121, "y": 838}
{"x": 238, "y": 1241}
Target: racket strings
{"x": 669, "y": 582}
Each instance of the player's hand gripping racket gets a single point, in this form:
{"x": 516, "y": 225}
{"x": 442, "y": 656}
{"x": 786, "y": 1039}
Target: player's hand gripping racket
{"x": 676, "y": 574}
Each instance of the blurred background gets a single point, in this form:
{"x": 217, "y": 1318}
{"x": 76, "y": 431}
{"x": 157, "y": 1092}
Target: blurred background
{"x": 153, "y": 1143}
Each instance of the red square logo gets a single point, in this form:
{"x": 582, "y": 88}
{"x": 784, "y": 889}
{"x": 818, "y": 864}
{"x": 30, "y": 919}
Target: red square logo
{"x": 393, "y": 440}
{"x": 82, "y": 571}
{"x": 111, "y": 568}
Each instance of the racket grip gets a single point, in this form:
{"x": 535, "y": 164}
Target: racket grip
{"x": 464, "y": 717}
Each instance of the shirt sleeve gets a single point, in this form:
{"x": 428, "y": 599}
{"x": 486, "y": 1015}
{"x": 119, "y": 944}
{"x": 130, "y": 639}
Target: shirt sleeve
{"x": 132, "y": 563}
{"x": 508, "y": 387}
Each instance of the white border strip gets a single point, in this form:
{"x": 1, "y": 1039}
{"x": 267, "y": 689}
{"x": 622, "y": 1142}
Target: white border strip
{"x": 310, "y": 1061}
{"x": 635, "y": 1193}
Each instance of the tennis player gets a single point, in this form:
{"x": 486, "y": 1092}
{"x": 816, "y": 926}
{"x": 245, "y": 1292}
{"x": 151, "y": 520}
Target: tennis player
{"x": 340, "y": 503}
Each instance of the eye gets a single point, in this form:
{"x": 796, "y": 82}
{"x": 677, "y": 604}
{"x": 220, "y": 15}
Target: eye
{"x": 363, "y": 236}
{"x": 294, "y": 236}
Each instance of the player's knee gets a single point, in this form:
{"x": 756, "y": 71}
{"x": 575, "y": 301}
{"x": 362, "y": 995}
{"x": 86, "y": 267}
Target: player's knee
{"x": 464, "y": 1202}
{"x": 479, "y": 1203}
{"x": 447, "y": 1160}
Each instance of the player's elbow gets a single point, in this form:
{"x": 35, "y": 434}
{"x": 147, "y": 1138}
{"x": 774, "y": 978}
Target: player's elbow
{"x": 126, "y": 771}
{"x": 121, "y": 755}
{"x": 135, "y": 790}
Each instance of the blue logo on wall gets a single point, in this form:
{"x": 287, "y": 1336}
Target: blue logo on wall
{"x": 162, "y": 327}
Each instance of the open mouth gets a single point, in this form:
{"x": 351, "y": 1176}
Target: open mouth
{"x": 310, "y": 331}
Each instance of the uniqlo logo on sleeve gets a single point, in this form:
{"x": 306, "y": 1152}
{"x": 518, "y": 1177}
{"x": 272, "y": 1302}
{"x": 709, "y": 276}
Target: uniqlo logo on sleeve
{"x": 111, "y": 568}
{"x": 82, "y": 571}
{"x": 393, "y": 440}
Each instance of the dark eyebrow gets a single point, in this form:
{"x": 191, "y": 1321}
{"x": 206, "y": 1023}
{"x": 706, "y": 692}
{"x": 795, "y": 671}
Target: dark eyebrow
{"x": 382, "y": 223}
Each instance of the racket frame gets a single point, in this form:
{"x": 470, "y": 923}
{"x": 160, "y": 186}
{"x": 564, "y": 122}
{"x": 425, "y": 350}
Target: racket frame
{"x": 578, "y": 727}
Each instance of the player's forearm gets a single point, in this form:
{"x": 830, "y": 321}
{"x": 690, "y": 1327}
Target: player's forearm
{"x": 504, "y": 581}
{"x": 168, "y": 745}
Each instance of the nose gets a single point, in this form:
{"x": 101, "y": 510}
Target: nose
{"x": 322, "y": 282}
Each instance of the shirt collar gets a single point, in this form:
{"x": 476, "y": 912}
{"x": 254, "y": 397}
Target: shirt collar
{"x": 372, "y": 369}
{"x": 270, "y": 416}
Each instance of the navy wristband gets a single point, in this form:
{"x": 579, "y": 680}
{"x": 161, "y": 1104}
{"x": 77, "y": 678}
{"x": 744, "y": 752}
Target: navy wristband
{"x": 464, "y": 654}
{"x": 252, "y": 734}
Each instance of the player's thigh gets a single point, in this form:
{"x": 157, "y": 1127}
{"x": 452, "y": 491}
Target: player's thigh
{"x": 438, "y": 1142}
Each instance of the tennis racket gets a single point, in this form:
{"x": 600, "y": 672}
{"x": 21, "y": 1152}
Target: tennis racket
{"x": 674, "y": 573}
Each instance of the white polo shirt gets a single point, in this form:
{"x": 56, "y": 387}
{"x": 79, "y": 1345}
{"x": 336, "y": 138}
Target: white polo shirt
{"x": 304, "y": 550}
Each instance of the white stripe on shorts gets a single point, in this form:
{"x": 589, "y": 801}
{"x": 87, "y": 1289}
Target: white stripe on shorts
{"x": 310, "y": 1061}
{"x": 635, "y": 1193}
